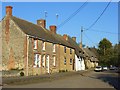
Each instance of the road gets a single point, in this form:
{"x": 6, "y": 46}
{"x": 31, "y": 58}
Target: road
{"x": 107, "y": 79}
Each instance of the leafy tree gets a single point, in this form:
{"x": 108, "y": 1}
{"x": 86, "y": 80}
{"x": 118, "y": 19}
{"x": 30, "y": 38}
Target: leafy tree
{"x": 104, "y": 45}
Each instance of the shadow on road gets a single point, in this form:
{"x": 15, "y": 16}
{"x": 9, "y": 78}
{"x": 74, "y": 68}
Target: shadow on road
{"x": 113, "y": 80}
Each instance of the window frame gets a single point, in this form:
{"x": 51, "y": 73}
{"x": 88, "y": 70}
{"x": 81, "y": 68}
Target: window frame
{"x": 43, "y": 45}
{"x": 54, "y": 61}
{"x": 71, "y": 62}
{"x": 54, "y": 47}
{"x": 70, "y": 51}
{"x": 35, "y": 44}
{"x": 64, "y": 49}
{"x": 43, "y": 60}
{"x": 37, "y": 60}
{"x": 65, "y": 61}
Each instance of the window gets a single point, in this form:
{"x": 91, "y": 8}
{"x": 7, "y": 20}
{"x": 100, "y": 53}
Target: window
{"x": 43, "y": 60}
{"x": 35, "y": 44}
{"x": 53, "y": 47}
{"x": 54, "y": 61}
{"x": 70, "y": 51}
{"x": 70, "y": 61}
{"x": 64, "y": 49}
{"x": 64, "y": 61}
{"x": 43, "y": 46}
{"x": 37, "y": 62}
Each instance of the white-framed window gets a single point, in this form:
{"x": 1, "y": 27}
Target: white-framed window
{"x": 53, "y": 47}
{"x": 37, "y": 60}
{"x": 70, "y": 51}
{"x": 70, "y": 61}
{"x": 54, "y": 61}
{"x": 64, "y": 49}
{"x": 43, "y": 45}
{"x": 43, "y": 60}
{"x": 35, "y": 44}
{"x": 64, "y": 61}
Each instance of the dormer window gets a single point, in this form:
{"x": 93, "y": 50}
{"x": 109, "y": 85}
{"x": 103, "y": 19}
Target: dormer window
{"x": 35, "y": 43}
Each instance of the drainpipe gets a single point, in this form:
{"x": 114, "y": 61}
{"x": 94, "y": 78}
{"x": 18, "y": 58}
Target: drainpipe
{"x": 27, "y": 55}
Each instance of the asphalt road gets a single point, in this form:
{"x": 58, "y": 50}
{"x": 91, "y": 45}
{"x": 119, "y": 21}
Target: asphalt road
{"x": 107, "y": 79}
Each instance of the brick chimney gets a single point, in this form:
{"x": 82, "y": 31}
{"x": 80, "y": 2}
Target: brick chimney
{"x": 74, "y": 38}
{"x": 41, "y": 23}
{"x": 9, "y": 10}
{"x": 53, "y": 29}
{"x": 65, "y": 36}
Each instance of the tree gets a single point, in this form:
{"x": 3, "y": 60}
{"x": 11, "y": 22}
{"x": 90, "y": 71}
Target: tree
{"x": 105, "y": 51}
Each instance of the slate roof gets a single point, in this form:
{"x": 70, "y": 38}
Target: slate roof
{"x": 78, "y": 50}
{"x": 90, "y": 54}
{"x": 39, "y": 32}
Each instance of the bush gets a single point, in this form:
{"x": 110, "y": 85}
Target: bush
{"x": 21, "y": 73}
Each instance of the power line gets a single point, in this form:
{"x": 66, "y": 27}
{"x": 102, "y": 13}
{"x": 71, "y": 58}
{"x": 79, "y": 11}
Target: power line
{"x": 70, "y": 17}
{"x": 99, "y": 16}
{"x": 94, "y": 30}
{"x": 89, "y": 39}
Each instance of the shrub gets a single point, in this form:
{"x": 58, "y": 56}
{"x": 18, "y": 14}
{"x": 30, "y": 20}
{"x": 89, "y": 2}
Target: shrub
{"x": 21, "y": 73}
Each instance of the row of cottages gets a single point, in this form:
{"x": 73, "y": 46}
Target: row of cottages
{"x": 35, "y": 50}
{"x": 91, "y": 59}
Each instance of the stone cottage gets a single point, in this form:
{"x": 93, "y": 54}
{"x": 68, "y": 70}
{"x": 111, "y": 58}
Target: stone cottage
{"x": 33, "y": 49}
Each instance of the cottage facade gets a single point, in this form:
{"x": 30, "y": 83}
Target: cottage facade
{"x": 32, "y": 48}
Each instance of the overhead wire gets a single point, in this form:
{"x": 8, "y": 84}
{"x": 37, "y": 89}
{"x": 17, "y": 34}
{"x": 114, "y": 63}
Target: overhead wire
{"x": 72, "y": 15}
{"x": 99, "y": 16}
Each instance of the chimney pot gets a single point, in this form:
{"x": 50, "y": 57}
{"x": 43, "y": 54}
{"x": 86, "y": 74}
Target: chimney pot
{"x": 53, "y": 29}
{"x": 65, "y": 36}
{"x": 41, "y": 23}
{"x": 74, "y": 38}
{"x": 9, "y": 10}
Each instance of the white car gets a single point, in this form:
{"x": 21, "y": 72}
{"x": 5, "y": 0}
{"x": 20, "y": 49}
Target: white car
{"x": 105, "y": 68}
{"x": 98, "y": 68}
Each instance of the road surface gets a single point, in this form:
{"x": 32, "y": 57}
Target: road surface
{"x": 86, "y": 80}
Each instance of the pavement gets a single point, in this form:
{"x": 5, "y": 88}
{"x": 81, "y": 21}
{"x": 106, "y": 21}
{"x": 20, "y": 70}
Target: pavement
{"x": 39, "y": 78}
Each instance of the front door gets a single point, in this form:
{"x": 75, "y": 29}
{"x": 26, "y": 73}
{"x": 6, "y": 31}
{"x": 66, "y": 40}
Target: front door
{"x": 47, "y": 63}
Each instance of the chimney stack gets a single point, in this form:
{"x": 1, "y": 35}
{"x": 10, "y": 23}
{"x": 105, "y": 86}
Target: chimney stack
{"x": 41, "y": 23}
{"x": 65, "y": 36}
{"x": 74, "y": 38}
{"x": 9, "y": 10}
{"x": 53, "y": 29}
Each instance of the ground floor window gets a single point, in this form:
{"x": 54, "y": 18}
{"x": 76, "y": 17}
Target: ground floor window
{"x": 43, "y": 60}
{"x": 70, "y": 61}
{"x": 64, "y": 61}
{"x": 37, "y": 60}
{"x": 54, "y": 61}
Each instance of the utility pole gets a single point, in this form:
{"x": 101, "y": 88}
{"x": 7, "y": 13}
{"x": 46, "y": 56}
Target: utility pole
{"x": 81, "y": 36}
{"x": 57, "y": 20}
{"x": 45, "y": 12}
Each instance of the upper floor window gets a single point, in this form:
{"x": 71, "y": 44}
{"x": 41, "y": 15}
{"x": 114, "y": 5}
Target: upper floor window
{"x": 70, "y": 51}
{"x": 64, "y": 61}
{"x": 54, "y": 61}
{"x": 35, "y": 43}
{"x": 53, "y": 47}
{"x": 64, "y": 49}
{"x": 43, "y": 45}
{"x": 37, "y": 60}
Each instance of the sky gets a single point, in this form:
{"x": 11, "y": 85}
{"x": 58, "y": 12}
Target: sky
{"x": 108, "y": 23}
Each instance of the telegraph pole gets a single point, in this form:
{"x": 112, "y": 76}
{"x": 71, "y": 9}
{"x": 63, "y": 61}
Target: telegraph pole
{"x": 45, "y": 14}
{"x": 57, "y": 20}
{"x": 81, "y": 36}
